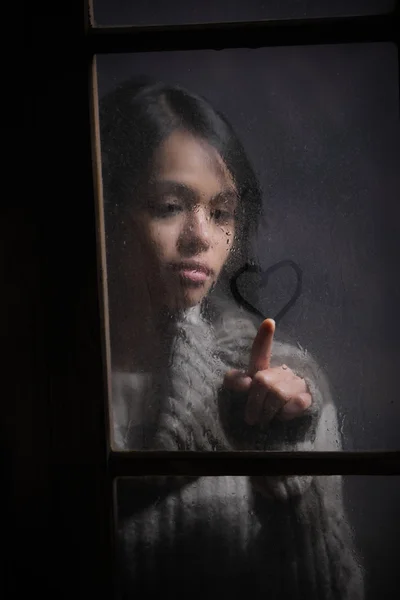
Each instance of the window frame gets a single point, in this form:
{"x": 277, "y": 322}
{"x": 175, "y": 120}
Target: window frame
{"x": 63, "y": 466}
{"x": 221, "y": 36}
{"x": 267, "y": 33}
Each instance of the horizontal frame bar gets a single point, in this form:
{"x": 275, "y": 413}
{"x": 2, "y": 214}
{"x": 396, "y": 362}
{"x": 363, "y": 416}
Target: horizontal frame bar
{"x": 124, "y": 464}
{"x": 218, "y": 36}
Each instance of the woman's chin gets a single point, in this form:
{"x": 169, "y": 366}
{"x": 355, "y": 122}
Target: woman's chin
{"x": 189, "y": 298}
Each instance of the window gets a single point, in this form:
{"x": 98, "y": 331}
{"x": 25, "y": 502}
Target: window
{"x": 82, "y": 466}
{"x": 320, "y": 174}
{"x": 320, "y": 126}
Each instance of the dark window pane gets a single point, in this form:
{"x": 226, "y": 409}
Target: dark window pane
{"x": 159, "y": 12}
{"x": 320, "y": 127}
{"x": 232, "y": 537}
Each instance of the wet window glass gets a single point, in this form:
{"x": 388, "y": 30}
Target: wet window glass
{"x": 159, "y": 12}
{"x": 251, "y": 221}
{"x": 233, "y": 537}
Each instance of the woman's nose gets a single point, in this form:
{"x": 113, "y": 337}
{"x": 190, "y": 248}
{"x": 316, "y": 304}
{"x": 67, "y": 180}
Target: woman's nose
{"x": 196, "y": 233}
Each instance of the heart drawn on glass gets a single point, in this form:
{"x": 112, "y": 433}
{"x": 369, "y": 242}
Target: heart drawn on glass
{"x": 253, "y": 268}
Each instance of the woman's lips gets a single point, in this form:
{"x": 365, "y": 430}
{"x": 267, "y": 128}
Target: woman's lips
{"x": 193, "y": 275}
{"x": 193, "y": 272}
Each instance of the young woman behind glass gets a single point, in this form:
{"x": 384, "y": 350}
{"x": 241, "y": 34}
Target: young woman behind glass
{"x": 191, "y": 372}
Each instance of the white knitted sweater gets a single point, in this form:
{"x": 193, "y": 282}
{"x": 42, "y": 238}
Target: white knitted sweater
{"x": 216, "y": 536}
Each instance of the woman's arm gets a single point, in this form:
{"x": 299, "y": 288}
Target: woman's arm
{"x": 315, "y": 429}
{"x": 302, "y": 517}
{"x": 308, "y": 512}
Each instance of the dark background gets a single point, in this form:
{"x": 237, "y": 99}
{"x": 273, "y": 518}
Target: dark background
{"x": 321, "y": 127}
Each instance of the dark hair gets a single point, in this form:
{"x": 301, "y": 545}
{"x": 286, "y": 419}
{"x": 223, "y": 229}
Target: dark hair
{"x": 134, "y": 120}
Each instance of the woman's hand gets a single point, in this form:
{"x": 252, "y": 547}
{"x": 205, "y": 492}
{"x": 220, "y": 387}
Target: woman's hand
{"x": 272, "y": 391}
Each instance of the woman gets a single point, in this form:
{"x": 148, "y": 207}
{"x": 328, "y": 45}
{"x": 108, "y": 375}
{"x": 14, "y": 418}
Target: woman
{"x": 191, "y": 372}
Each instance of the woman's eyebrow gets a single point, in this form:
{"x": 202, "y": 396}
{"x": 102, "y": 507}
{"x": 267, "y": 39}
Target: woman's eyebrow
{"x": 186, "y": 192}
{"x": 227, "y": 196}
{"x": 175, "y": 187}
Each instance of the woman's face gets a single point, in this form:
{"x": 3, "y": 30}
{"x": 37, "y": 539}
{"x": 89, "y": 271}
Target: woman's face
{"x": 186, "y": 223}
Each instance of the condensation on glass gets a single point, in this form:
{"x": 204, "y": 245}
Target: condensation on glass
{"x": 318, "y": 154}
{"x": 160, "y": 12}
{"x": 228, "y": 537}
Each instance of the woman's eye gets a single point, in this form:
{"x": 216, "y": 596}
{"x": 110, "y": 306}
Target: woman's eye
{"x": 167, "y": 208}
{"x": 221, "y": 215}
{"x": 170, "y": 208}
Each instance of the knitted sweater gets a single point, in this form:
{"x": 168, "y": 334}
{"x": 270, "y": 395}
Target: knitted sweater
{"x": 217, "y": 536}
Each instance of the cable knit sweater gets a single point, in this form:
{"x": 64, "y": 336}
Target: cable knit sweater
{"x": 217, "y": 536}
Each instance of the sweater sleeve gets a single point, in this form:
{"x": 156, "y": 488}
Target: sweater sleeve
{"x": 316, "y": 429}
{"x": 302, "y": 517}
{"x": 313, "y": 546}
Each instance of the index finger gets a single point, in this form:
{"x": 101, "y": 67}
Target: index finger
{"x": 260, "y": 355}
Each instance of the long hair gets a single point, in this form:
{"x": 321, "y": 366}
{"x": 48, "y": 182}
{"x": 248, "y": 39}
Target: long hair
{"x": 135, "y": 119}
{"x": 138, "y": 116}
